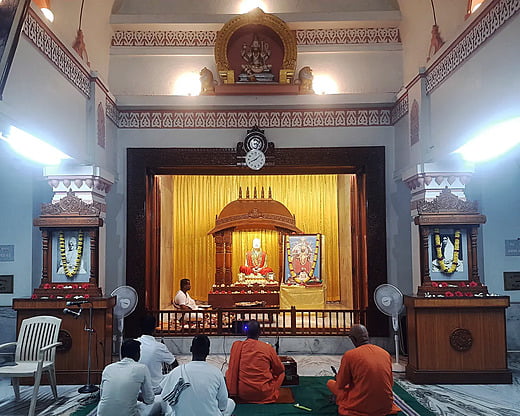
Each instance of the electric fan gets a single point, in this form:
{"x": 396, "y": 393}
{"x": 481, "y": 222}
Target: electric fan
{"x": 126, "y": 301}
{"x": 389, "y": 300}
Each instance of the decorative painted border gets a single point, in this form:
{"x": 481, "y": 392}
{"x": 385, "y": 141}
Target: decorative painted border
{"x": 206, "y": 38}
{"x": 486, "y": 24}
{"x": 56, "y": 52}
{"x": 166, "y": 119}
{"x": 399, "y": 109}
{"x": 111, "y": 110}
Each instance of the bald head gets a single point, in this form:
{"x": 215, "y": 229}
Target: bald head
{"x": 253, "y": 329}
{"x": 358, "y": 335}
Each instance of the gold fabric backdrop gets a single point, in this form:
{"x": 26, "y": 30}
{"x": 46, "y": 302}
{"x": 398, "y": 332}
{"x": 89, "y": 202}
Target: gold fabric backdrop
{"x": 190, "y": 204}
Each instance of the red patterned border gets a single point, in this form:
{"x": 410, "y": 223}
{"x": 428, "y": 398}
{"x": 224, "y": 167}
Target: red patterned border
{"x": 166, "y": 119}
{"x": 363, "y": 35}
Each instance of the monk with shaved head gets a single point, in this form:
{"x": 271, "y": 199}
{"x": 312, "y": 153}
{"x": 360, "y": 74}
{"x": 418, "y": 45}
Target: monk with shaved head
{"x": 363, "y": 386}
{"x": 255, "y": 372}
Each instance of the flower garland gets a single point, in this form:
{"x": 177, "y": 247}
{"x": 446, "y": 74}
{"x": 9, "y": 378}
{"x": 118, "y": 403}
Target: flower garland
{"x": 440, "y": 257}
{"x": 63, "y": 255}
{"x": 314, "y": 260}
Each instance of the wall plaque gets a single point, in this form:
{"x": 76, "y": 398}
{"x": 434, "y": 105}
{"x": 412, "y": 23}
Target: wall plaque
{"x": 512, "y": 248}
{"x": 7, "y": 252}
{"x": 6, "y": 283}
{"x": 511, "y": 280}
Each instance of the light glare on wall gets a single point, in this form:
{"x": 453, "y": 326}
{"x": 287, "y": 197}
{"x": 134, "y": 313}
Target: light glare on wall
{"x": 324, "y": 84}
{"x": 492, "y": 142}
{"x": 33, "y": 148}
{"x": 187, "y": 84}
{"x": 248, "y": 5}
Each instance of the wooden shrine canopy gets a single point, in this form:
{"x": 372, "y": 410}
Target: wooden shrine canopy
{"x": 248, "y": 214}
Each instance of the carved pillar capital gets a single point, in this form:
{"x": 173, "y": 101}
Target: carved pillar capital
{"x": 89, "y": 183}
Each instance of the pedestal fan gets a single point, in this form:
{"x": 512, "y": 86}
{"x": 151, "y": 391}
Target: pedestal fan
{"x": 126, "y": 301}
{"x": 389, "y": 300}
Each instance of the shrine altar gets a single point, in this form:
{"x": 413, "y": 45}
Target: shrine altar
{"x": 302, "y": 297}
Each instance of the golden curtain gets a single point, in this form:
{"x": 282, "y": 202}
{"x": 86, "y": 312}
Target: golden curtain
{"x": 192, "y": 202}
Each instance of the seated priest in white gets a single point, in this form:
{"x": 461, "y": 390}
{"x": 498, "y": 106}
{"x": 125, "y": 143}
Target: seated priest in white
{"x": 182, "y": 299}
{"x": 126, "y": 380}
{"x": 154, "y": 353}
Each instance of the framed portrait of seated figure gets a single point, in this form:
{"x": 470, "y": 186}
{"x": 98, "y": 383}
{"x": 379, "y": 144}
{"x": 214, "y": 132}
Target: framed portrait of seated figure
{"x": 447, "y": 251}
{"x": 302, "y": 258}
{"x": 70, "y": 256}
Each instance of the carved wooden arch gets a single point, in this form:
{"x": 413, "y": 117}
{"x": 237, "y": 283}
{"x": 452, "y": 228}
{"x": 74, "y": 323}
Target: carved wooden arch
{"x": 256, "y": 17}
{"x": 243, "y": 214}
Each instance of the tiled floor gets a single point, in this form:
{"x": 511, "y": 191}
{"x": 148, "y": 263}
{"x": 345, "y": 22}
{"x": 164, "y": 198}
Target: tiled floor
{"x": 463, "y": 400}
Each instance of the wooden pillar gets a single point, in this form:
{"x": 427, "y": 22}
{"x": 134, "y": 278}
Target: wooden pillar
{"x": 228, "y": 257}
{"x": 93, "y": 256}
{"x": 219, "y": 257}
{"x": 46, "y": 256}
{"x": 281, "y": 256}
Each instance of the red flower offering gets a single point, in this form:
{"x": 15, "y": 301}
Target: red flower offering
{"x": 68, "y": 296}
{"x": 469, "y": 294}
{"x": 86, "y": 296}
{"x": 462, "y": 284}
{"x": 75, "y": 286}
{"x": 59, "y": 287}
{"x": 34, "y": 296}
{"x": 52, "y": 297}
{"x": 449, "y": 294}
{"x": 459, "y": 293}
{"x": 435, "y": 284}
{"x": 46, "y": 286}
{"x": 473, "y": 284}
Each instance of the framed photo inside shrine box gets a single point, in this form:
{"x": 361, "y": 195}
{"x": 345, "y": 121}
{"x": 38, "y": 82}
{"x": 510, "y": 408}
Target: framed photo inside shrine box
{"x": 70, "y": 251}
{"x": 302, "y": 259}
{"x": 448, "y": 228}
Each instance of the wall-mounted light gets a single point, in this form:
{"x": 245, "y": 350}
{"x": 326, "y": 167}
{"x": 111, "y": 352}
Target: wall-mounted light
{"x": 324, "y": 84}
{"x": 33, "y": 148}
{"x": 248, "y": 5}
{"x": 45, "y": 7}
{"x": 187, "y": 84}
{"x": 492, "y": 142}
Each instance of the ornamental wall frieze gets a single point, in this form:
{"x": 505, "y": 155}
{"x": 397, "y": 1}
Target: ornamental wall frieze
{"x": 423, "y": 181}
{"x": 56, "y": 52}
{"x": 484, "y": 26}
{"x": 166, "y": 119}
{"x": 400, "y": 109}
{"x": 111, "y": 110}
{"x": 206, "y": 38}
{"x": 256, "y": 214}
{"x": 81, "y": 184}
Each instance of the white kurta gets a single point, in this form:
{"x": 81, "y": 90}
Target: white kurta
{"x": 153, "y": 355}
{"x": 184, "y": 299}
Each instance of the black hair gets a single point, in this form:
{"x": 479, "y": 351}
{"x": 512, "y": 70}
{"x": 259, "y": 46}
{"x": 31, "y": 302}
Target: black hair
{"x": 148, "y": 324}
{"x": 130, "y": 348}
{"x": 200, "y": 345}
{"x": 184, "y": 282}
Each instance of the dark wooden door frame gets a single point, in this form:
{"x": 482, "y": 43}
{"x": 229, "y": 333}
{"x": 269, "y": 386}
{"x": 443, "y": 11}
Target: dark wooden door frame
{"x": 143, "y": 164}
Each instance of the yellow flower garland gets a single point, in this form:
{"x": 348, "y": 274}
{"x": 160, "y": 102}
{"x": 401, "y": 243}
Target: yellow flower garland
{"x": 440, "y": 257}
{"x": 63, "y": 255}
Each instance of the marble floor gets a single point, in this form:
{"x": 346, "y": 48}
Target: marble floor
{"x": 463, "y": 400}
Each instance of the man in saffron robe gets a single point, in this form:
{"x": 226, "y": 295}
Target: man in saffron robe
{"x": 255, "y": 372}
{"x": 363, "y": 386}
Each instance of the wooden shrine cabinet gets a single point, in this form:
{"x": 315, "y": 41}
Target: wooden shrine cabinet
{"x": 456, "y": 329}
{"x": 70, "y": 234}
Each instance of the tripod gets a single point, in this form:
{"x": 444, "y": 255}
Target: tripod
{"x": 89, "y": 387}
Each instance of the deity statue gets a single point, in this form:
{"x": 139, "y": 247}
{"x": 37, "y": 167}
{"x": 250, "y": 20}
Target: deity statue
{"x": 256, "y": 67}
{"x": 256, "y": 261}
{"x": 302, "y": 260}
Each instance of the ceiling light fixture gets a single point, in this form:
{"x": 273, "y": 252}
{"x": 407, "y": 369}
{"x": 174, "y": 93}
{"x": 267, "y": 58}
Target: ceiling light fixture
{"x": 45, "y": 7}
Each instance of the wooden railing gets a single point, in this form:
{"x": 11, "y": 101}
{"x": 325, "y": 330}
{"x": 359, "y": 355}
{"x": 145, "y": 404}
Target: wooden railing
{"x": 274, "y": 322}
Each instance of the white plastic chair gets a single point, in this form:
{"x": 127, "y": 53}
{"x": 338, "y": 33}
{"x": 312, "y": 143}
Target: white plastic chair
{"x": 35, "y": 352}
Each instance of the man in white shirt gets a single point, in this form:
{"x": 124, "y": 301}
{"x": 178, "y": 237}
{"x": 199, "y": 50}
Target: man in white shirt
{"x": 182, "y": 299}
{"x": 154, "y": 353}
{"x": 121, "y": 383}
{"x": 204, "y": 392}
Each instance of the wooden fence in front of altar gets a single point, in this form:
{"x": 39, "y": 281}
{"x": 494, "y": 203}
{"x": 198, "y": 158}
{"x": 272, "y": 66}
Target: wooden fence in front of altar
{"x": 274, "y": 322}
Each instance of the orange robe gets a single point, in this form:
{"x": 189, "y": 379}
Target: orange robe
{"x": 255, "y": 372}
{"x": 363, "y": 386}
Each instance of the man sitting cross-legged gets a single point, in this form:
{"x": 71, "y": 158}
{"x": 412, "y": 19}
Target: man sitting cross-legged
{"x": 363, "y": 386}
{"x": 197, "y": 388}
{"x": 255, "y": 372}
{"x": 153, "y": 353}
{"x": 121, "y": 383}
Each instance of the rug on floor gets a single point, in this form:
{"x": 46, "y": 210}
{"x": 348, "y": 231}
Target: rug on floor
{"x": 313, "y": 393}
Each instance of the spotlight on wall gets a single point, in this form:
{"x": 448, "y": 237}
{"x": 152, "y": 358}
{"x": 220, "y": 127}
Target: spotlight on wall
{"x": 33, "y": 148}
{"x": 324, "y": 84}
{"x": 492, "y": 142}
{"x": 45, "y": 7}
{"x": 248, "y": 5}
{"x": 187, "y": 84}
